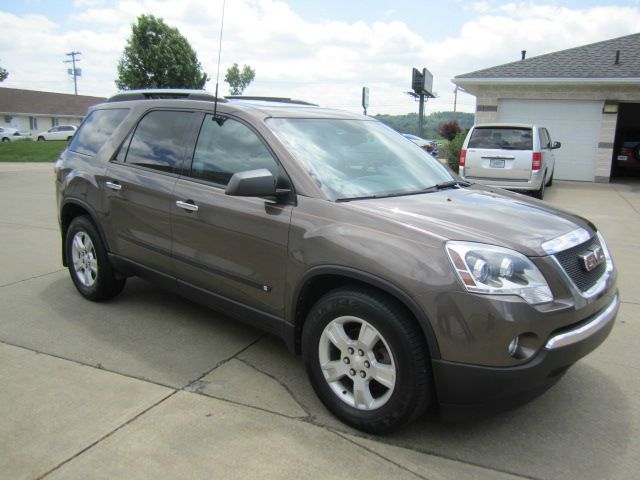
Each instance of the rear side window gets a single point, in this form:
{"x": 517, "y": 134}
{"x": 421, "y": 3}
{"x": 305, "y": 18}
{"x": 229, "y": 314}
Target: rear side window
{"x": 96, "y": 130}
{"x": 504, "y": 138}
{"x": 223, "y": 150}
{"x": 545, "y": 141}
{"x": 158, "y": 141}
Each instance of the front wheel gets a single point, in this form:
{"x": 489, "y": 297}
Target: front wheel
{"x": 550, "y": 182}
{"x": 41, "y": 139}
{"x": 89, "y": 265}
{"x": 366, "y": 359}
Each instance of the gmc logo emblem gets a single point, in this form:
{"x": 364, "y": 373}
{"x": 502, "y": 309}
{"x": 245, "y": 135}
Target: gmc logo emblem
{"x": 592, "y": 258}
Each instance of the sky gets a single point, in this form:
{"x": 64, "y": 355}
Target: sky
{"x": 321, "y": 51}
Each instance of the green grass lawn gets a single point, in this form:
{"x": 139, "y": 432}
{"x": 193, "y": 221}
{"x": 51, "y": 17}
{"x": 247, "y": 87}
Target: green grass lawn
{"x": 29, "y": 151}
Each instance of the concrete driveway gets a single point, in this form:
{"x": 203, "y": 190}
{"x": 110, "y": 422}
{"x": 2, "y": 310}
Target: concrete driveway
{"x": 152, "y": 386}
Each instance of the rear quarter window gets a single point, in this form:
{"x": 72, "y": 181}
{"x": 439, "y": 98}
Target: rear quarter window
{"x": 96, "y": 130}
{"x": 508, "y": 138}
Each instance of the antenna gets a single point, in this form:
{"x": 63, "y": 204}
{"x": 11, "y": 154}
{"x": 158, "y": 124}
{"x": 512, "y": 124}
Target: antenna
{"x": 215, "y": 105}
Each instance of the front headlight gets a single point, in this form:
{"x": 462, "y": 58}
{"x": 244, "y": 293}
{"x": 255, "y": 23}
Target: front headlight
{"x": 494, "y": 270}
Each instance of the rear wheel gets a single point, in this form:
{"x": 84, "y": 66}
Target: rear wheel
{"x": 6, "y": 140}
{"x": 366, "y": 359}
{"x": 540, "y": 192}
{"x": 89, "y": 265}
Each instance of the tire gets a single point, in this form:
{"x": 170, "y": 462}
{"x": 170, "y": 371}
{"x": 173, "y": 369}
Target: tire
{"x": 540, "y": 192}
{"x": 88, "y": 262}
{"x": 6, "y": 140}
{"x": 550, "y": 182}
{"x": 378, "y": 340}
{"x": 69, "y": 138}
{"x": 41, "y": 139}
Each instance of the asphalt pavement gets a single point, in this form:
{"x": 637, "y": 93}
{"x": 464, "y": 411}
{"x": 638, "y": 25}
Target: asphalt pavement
{"x": 150, "y": 385}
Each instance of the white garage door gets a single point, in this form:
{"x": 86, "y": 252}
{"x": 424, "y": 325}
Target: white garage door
{"x": 576, "y": 124}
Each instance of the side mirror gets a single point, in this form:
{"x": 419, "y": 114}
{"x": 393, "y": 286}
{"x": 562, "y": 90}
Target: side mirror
{"x": 556, "y": 145}
{"x": 252, "y": 183}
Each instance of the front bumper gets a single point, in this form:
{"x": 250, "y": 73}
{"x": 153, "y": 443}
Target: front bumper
{"x": 465, "y": 389}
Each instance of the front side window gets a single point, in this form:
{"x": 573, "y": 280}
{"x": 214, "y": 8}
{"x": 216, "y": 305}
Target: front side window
{"x": 158, "y": 141}
{"x": 503, "y": 138}
{"x": 358, "y": 158}
{"x": 96, "y": 130}
{"x": 223, "y": 150}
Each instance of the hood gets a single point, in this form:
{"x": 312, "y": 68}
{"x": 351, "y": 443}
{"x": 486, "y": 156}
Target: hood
{"x": 478, "y": 214}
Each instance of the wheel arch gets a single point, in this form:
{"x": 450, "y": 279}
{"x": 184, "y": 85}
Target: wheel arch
{"x": 321, "y": 279}
{"x": 71, "y": 209}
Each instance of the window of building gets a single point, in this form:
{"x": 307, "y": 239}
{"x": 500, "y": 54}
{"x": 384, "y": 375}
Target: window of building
{"x": 33, "y": 123}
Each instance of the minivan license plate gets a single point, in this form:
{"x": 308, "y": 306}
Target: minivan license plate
{"x": 496, "y": 163}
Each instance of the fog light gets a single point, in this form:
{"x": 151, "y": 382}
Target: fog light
{"x": 513, "y": 346}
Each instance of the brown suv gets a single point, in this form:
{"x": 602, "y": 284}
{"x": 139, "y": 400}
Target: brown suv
{"x": 401, "y": 285}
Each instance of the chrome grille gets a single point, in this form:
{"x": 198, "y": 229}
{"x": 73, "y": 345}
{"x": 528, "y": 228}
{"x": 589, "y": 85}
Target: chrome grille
{"x": 570, "y": 261}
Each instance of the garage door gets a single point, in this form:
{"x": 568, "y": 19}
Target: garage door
{"x": 574, "y": 123}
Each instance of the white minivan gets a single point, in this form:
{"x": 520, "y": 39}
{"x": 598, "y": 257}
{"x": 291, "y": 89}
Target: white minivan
{"x": 509, "y": 155}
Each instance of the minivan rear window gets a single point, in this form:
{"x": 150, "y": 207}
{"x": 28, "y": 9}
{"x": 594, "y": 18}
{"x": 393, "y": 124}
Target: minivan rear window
{"x": 96, "y": 130}
{"x": 504, "y": 138}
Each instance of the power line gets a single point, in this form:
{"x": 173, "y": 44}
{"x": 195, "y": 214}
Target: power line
{"x": 74, "y": 72}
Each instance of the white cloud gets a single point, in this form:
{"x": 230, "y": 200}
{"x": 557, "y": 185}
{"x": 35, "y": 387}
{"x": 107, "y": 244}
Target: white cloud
{"x": 481, "y": 7}
{"x": 323, "y": 61}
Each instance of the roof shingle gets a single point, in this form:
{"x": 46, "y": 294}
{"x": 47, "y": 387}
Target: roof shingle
{"x": 596, "y": 60}
{"x": 15, "y": 100}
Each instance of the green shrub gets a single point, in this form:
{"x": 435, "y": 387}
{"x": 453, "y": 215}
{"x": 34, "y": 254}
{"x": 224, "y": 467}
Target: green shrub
{"x": 453, "y": 151}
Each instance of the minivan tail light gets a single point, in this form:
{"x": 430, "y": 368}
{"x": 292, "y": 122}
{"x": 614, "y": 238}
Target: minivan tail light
{"x": 536, "y": 162}
{"x": 463, "y": 157}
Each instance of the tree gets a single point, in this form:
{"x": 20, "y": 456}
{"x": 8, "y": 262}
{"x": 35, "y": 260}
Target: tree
{"x": 238, "y": 80}
{"x": 158, "y": 56}
{"x": 449, "y": 129}
{"x": 3, "y": 74}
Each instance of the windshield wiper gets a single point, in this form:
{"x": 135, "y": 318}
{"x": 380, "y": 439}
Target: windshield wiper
{"x": 446, "y": 185}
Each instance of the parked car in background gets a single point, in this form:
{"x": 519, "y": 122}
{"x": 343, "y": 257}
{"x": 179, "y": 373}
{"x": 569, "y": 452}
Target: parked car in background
{"x": 629, "y": 154}
{"x": 429, "y": 146}
{"x": 400, "y": 285}
{"x": 512, "y": 156}
{"x": 8, "y": 134}
{"x": 61, "y": 132}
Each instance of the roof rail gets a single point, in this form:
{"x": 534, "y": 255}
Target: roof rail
{"x": 163, "y": 93}
{"x": 270, "y": 99}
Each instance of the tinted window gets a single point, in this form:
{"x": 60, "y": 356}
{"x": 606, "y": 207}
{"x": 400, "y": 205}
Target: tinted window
{"x": 223, "y": 150}
{"x": 158, "y": 141}
{"x": 508, "y": 138}
{"x": 66, "y": 129}
{"x": 546, "y": 139}
{"x": 96, "y": 129}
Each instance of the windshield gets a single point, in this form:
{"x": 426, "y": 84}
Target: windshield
{"x": 350, "y": 159}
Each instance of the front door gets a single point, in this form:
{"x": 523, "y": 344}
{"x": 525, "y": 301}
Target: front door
{"x": 235, "y": 247}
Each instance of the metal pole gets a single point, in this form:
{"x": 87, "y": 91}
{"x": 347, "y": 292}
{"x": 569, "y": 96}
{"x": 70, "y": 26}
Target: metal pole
{"x": 73, "y": 71}
{"x": 455, "y": 102}
{"x": 421, "y": 117}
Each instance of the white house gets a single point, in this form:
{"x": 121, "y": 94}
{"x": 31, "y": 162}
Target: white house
{"x": 588, "y": 97}
{"x": 30, "y": 110}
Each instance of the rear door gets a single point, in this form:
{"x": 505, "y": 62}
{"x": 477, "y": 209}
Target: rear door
{"x": 139, "y": 185}
{"x": 235, "y": 247}
{"x": 499, "y": 153}
{"x": 548, "y": 158}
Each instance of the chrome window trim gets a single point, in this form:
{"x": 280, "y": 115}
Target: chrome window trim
{"x": 566, "y": 241}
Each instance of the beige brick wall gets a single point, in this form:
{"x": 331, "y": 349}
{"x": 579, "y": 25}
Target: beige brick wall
{"x": 488, "y": 96}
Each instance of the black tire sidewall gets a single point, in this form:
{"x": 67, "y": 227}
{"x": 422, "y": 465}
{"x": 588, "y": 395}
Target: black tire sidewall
{"x": 401, "y": 406}
{"x": 105, "y": 284}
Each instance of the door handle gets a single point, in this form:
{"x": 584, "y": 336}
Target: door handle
{"x": 113, "y": 185}
{"x": 189, "y": 206}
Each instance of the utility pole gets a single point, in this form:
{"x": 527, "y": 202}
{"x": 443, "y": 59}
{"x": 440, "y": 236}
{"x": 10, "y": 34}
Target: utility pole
{"x": 73, "y": 71}
{"x": 455, "y": 102}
